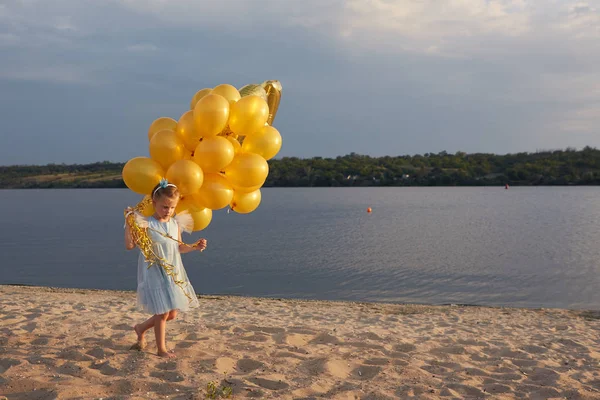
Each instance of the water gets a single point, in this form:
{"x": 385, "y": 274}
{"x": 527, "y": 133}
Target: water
{"x": 530, "y": 247}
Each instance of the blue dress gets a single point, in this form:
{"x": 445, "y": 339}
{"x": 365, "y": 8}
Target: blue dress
{"x": 157, "y": 292}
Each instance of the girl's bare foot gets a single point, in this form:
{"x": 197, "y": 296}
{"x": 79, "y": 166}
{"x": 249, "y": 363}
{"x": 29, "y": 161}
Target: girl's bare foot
{"x": 141, "y": 341}
{"x": 166, "y": 354}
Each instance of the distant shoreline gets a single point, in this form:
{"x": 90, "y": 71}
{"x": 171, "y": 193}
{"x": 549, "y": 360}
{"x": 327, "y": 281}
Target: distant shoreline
{"x": 551, "y": 168}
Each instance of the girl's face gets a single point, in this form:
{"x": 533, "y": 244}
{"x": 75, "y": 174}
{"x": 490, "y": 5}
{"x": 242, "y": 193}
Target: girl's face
{"x": 164, "y": 206}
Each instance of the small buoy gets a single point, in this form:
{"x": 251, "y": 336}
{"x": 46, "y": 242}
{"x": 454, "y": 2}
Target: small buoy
{"x": 369, "y": 210}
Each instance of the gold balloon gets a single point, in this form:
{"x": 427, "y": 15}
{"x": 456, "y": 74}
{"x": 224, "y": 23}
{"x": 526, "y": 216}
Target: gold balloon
{"x": 243, "y": 189}
{"x": 273, "y": 90}
{"x": 247, "y": 169}
{"x": 201, "y": 218}
{"x": 147, "y": 209}
{"x": 187, "y": 131}
{"x": 245, "y": 203}
{"x": 214, "y": 153}
{"x": 199, "y": 94}
{"x": 248, "y": 115}
{"x": 229, "y": 92}
{"x": 266, "y": 142}
{"x": 236, "y": 144}
{"x": 216, "y": 192}
{"x": 187, "y": 203}
{"x": 210, "y": 115}
{"x": 141, "y": 174}
{"x": 160, "y": 124}
{"x": 186, "y": 175}
{"x": 166, "y": 147}
{"x": 253, "y": 90}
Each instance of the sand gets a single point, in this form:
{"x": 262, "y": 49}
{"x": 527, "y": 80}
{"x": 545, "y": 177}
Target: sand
{"x": 74, "y": 344}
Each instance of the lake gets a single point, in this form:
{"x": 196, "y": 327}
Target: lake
{"x": 525, "y": 247}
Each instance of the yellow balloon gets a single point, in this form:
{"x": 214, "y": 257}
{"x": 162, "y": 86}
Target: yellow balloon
{"x": 229, "y": 92}
{"x": 244, "y": 189}
{"x": 236, "y": 144}
{"x": 187, "y": 131}
{"x": 160, "y": 124}
{"x": 188, "y": 155}
{"x": 213, "y": 154}
{"x": 210, "y": 115}
{"x": 245, "y": 203}
{"x": 266, "y": 142}
{"x": 248, "y": 115}
{"x": 247, "y": 169}
{"x": 187, "y": 203}
{"x": 141, "y": 174}
{"x": 201, "y": 218}
{"x": 147, "y": 209}
{"x": 199, "y": 94}
{"x": 166, "y": 148}
{"x": 186, "y": 175}
{"x": 216, "y": 192}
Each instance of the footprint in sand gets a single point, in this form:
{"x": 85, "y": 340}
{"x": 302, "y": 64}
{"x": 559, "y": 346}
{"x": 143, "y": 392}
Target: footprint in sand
{"x": 6, "y": 363}
{"x": 269, "y": 384}
{"x": 169, "y": 376}
{"x": 246, "y": 365}
{"x": 167, "y": 366}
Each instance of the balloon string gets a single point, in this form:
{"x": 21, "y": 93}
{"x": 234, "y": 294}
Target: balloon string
{"x": 145, "y": 244}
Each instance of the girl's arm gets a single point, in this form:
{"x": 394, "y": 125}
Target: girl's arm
{"x": 199, "y": 245}
{"x": 129, "y": 242}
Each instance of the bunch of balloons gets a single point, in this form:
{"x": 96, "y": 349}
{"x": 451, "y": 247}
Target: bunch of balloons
{"x": 216, "y": 153}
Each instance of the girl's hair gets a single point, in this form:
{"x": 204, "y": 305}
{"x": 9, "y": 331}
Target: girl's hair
{"x": 170, "y": 191}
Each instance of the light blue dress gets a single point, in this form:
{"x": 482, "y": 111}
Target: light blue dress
{"x": 157, "y": 292}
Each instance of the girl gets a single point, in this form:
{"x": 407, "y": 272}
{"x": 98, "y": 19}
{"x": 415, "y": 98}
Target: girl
{"x": 158, "y": 293}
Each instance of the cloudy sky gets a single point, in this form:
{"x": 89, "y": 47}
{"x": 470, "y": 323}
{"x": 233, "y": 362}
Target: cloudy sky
{"x": 81, "y": 80}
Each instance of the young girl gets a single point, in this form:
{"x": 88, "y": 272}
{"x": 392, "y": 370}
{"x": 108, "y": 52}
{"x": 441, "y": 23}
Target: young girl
{"x": 157, "y": 291}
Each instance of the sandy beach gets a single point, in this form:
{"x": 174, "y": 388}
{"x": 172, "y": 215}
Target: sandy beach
{"x": 75, "y": 344}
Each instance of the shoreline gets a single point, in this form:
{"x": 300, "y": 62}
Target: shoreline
{"x": 74, "y": 343}
{"x": 57, "y": 289}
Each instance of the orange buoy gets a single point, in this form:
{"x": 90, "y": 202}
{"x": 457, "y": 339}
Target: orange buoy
{"x": 369, "y": 210}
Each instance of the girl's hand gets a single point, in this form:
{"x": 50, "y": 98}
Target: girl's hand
{"x": 200, "y": 245}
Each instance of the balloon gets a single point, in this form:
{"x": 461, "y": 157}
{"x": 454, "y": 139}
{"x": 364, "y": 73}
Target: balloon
{"x": 266, "y": 142}
{"x": 201, "y": 218}
{"x": 273, "y": 90}
{"x": 187, "y": 203}
{"x": 210, "y": 115}
{"x": 247, "y": 169}
{"x": 186, "y": 175}
{"x": 236, "y": 144}
{"x": 248, "y": 115}
{"x": 148, "y": 209}
{"x": 214, "y": 153}
{"x": 187, "y": 130}
{"x": 245, "y": 203}
{"x": 243, "y": 189}
{"x": 199, "y": 94}
{"x": 253, "y": 90}
{"x": 141, "y": 174}
{"x": 166, "y": 148}
{"x": 161, "y": 124}
{"x": 229, "y": 92}
{"x": 216, "y": 192}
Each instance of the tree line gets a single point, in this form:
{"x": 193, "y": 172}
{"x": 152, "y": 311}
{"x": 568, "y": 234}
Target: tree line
{"x": 556, "y": 167}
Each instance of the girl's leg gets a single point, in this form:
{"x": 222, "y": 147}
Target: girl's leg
{"x": 140, "y": 330}
{"x": 172, "y": 315}
{"x": 160, "y": 323}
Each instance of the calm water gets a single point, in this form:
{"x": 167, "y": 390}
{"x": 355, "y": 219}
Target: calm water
{"x": 533, "y": 247}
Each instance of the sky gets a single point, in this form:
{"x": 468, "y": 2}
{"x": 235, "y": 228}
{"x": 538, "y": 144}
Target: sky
{"x": 82, "y": 80}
